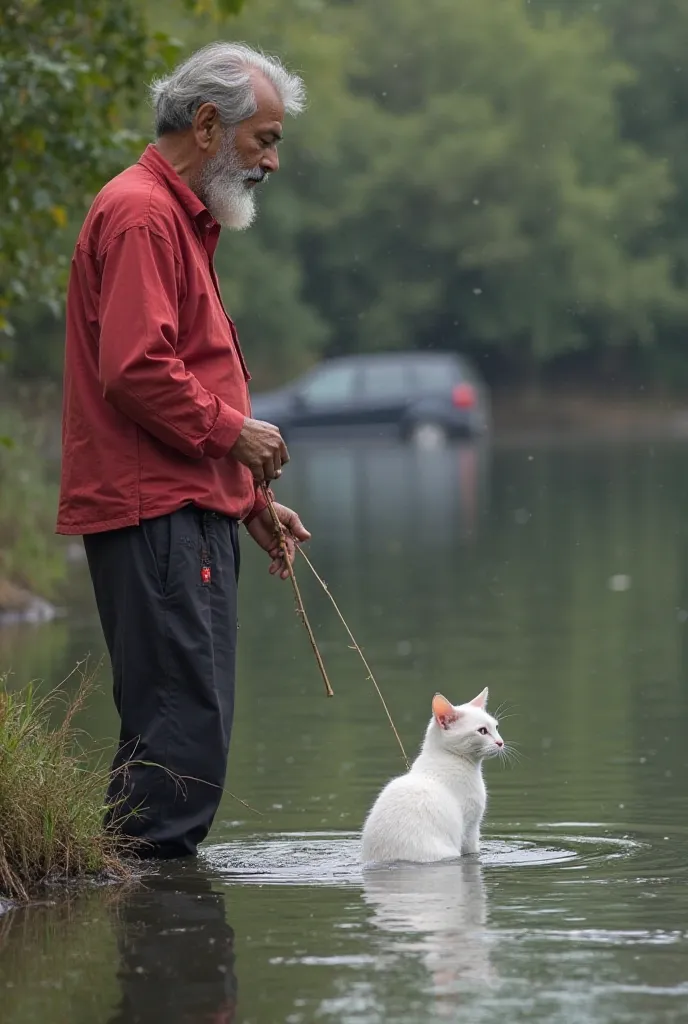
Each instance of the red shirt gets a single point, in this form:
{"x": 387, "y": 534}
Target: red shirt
{"x": 156, "y": 387}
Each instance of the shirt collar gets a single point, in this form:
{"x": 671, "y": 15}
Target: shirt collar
{"x": 155, "y": 162}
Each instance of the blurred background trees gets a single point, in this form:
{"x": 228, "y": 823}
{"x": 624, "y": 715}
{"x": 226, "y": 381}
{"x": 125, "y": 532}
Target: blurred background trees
{"x": 506, "y": 178}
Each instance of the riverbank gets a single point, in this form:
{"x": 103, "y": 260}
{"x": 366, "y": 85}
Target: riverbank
{"x": 20, "y": 605}
{"x": 577, "y": 413}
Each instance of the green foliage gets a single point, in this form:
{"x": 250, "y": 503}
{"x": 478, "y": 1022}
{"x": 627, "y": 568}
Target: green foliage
{"x": 505, "y": 177}
{"x": 491, "y": 199}
{"x": 66, "y": 73}
{"x": 71, "y": 77}
{"x": 217, "y": 7}
{"x": 460, "y": 179}
{"x": 29, "y": 552}
{"x": 652, "y": 39}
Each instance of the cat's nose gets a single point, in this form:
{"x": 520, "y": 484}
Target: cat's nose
{"x": 500, "y": 743}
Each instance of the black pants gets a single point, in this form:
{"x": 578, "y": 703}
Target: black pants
{"x": 166, "y": 592}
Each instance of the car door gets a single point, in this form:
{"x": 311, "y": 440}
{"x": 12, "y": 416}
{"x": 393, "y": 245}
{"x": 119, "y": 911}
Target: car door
{"x": 386, "y": 390}
{"x": 328, "y": 399}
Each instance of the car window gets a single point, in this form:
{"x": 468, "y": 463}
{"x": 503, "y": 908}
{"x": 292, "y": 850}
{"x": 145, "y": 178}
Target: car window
{"x": 435, "y": 376}
{"x": 331, "y": 384}
{"x": 386, "y": 380}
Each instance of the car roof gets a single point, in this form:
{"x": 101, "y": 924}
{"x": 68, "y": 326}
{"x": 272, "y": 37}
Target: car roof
{"x": 413, "y": 356}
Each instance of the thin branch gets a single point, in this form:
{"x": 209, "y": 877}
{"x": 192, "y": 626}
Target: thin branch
{"x": 279, "y": 529}
{"x": 357, "y": 648}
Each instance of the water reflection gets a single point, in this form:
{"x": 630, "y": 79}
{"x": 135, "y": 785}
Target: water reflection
{"x": 32, "y": 651}
{"x": 176, "y": 954}
{"x": 377, "y": 486}
{"x": 439, "y": 912}
{"x": 595, "y": 677}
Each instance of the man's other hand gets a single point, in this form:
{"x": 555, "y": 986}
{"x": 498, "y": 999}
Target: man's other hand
{"x": 261, "y": 448}
{"x": 262, "y": 529}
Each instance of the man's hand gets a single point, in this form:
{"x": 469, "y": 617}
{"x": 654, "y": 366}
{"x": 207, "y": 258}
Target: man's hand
{"x": 261, "y": 448}
{"x": 262, "y": 529}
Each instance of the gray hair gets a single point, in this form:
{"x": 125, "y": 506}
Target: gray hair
{"x": 220, "y": 73}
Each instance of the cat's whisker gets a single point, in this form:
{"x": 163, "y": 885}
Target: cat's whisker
{"x": 504, "y": 707}
{"x": 511, "y": 755}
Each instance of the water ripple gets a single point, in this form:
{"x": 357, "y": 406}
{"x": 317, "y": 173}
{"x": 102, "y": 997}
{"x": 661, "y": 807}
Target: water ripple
{"x": 333, "y": 858}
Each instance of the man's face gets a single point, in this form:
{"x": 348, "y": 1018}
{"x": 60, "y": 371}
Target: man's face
{"x": 243, "y": 158}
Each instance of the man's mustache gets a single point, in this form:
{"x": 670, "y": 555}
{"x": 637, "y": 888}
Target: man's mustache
{"x": 258, "y": 175}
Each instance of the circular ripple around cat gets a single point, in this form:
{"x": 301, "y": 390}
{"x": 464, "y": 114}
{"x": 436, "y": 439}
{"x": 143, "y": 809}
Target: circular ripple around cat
{"x": 333, "y": 858}
{"x": 289, "y": 858}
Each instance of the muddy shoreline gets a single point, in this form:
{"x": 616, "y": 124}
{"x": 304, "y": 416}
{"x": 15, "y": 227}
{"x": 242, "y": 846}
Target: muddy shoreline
{"x": 20, "y": 605}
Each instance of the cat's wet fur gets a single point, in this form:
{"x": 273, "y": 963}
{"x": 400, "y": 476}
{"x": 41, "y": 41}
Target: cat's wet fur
{"x": 434, "y": 811}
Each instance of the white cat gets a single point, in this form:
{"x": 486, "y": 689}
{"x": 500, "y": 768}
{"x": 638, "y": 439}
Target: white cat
{"x": 434, "y": 811}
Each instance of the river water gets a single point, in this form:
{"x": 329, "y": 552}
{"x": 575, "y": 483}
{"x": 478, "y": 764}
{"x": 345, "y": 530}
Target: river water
{"x": 556, "y": 575}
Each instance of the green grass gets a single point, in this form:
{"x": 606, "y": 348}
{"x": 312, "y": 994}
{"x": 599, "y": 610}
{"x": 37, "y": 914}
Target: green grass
{"x": 51, "y": 796}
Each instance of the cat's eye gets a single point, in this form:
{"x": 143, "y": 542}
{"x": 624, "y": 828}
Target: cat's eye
{"x": 483, "y": 730}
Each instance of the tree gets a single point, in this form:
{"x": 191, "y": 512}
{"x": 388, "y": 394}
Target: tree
{"x": 70, "y": 78}
{"x": 652, "y": 39}
{"x": 479, "y": 176}
{"x": 491, "y": 199}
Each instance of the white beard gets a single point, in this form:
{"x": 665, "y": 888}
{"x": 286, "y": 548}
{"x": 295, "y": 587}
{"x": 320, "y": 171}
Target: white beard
{"x": 224, "y": 187}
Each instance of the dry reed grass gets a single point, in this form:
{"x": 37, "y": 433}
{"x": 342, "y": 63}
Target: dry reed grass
{"x": 51, "y": 795}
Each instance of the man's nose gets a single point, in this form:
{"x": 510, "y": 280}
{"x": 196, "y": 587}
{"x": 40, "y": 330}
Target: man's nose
{"x": 270, "y": 162}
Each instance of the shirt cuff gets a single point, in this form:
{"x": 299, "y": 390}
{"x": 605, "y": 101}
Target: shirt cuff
{"x": 225, "y": 432}
{"x": 259, "y": 505}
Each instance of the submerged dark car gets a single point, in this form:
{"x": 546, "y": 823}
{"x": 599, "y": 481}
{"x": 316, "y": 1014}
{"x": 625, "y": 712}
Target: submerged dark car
{"x": 423, "y": 397}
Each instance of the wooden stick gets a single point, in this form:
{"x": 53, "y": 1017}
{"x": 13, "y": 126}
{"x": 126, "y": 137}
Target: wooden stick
{"x": 357, "y": 648}
{"x": 279, "y": 530}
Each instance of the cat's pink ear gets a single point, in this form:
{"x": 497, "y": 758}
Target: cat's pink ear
{"x": 480, "y": 701}
{"x": 444, "y": 712}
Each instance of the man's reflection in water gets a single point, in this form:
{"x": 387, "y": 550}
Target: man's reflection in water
{"x": 176, "y": 953}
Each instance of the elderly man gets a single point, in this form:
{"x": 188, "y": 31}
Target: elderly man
{"x": 161, "y": 458}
